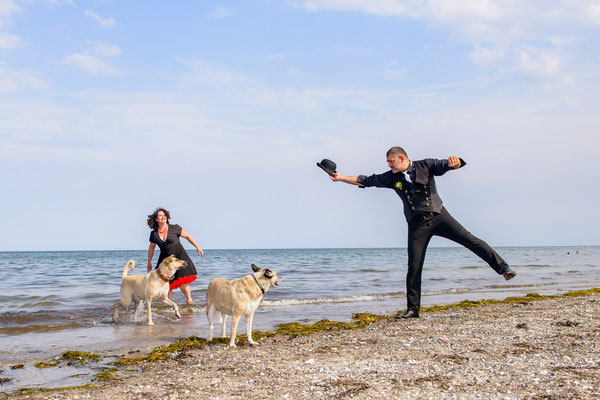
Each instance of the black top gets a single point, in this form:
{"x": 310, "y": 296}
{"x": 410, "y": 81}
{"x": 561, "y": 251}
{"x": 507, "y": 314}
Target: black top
{"x": 419, "y": 195}
{"x": 171, "y": 246}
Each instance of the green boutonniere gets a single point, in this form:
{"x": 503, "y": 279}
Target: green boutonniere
{"x": 398, "y": 185}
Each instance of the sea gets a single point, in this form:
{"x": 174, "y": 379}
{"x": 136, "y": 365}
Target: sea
{"x": 56, "y": 301}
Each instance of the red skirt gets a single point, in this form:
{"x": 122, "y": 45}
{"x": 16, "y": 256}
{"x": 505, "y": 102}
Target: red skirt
{"x": 180, "y": 281}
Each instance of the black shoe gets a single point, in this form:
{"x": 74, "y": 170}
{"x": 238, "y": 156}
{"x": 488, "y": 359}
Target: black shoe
{"x": 408, "y": 314}
{"x": 509, "y": 274}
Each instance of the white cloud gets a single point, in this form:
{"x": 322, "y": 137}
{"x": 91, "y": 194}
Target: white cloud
{"x": 439, "y": 9}
{"x": 499, "y": 21}
{"x": 594, "y": 13}
{"x": 104, "y": 22}
{"x": 394, "y": 74}
{"x": 103, "y": 49}
{"x": 9, "y": 41}
{"x": 18, "y": 81}
{"x": 538, "y": 62}
{"x": 351, "y": 51}
{"x": 90, "y": 64}
{"x": 461, "y": 10}
{"x": 294, "y": 128}
{"x": 61, "y": 2}
{"x": 274, "y": 57}
{"x": 93, "y": 61}
{"x": 532, "y": 36}
{"x": 487, "y": 56}
{"x": 207, "y": 72}
{"x": 476, "y": 20}
{"x": 7, "y": 8}
{"x": 220, "y": 12}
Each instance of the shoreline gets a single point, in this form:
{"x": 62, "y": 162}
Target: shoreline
{"x": 532, "y": 346}
{"x": 107, "y": 338}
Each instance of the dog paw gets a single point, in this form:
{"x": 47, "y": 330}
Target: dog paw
{"x": 178, "y": 316}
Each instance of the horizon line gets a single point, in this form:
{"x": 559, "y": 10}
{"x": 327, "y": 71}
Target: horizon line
{"x": 291, "y": 248}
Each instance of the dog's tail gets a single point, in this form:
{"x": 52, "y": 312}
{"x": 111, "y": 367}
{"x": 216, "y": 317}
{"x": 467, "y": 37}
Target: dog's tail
{"x": 130, "y": 262}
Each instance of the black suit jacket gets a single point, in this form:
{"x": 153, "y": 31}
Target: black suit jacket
{"x": 420, "y": 195}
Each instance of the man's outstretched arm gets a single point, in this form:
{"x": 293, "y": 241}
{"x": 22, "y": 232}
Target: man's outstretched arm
{"x": 352, "y": 180}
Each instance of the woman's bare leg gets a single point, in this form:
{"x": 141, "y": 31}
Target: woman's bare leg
{"x": 185, "y": 289}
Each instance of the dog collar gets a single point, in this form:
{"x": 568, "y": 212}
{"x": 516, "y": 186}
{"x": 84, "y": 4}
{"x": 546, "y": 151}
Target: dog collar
{"x": 259, "y": 285}
{"x": 164, "y": 278}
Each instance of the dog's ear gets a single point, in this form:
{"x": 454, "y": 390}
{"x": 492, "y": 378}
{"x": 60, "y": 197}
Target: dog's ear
{"x": 269, "y": 274}
{"x": 255, "y": 268}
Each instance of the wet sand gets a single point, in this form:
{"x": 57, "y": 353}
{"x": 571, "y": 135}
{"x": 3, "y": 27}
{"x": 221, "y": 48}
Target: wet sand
{"x": 548, "y": 349}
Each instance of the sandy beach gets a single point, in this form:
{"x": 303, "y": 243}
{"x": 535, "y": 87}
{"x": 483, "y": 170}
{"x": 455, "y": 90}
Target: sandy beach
{"x": 546, "y": 349}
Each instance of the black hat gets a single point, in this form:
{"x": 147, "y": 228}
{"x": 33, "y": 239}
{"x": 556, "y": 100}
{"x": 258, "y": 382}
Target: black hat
{"x": 327, "y": 166}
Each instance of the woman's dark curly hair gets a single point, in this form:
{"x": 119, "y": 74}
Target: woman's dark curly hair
{"x": 152, "y": 217}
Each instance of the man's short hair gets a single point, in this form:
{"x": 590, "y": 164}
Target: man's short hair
{"x": 396, "y": 151}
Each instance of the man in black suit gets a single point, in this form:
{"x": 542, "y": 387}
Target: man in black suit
{"x": 414, "y": 182}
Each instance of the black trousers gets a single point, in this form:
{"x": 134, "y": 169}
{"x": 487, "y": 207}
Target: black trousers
{"x": 420, "y": 232}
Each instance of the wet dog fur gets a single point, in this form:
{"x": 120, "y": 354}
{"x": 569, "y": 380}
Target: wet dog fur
{"x": 148, "y": 287}
{"x": 237, "y": 297}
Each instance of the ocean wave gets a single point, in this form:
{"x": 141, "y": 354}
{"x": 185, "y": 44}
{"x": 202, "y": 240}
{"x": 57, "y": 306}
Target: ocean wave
{"x": 357, "y": 298}
{"x": 371, "y": 270}
{"x": 516, "y": 286}
{"x": 39, "y": 328}
{"x": 446, "y": 291}
{"x": 343, "y": 299}
{"x": 40, "y": 305}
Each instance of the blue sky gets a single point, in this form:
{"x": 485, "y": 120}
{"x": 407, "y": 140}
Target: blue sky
{"x": 219, "y": 111}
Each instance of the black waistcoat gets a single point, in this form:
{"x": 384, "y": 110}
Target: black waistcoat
{"x": 420, "y": 195}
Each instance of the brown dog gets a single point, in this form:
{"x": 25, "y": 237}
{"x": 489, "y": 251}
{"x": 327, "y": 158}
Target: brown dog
{"x": 152, "y": 286}
{"x": 238, "y": 297}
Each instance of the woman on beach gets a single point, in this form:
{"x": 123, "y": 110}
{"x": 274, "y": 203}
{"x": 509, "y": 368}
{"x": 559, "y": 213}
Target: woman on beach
{"x": 166, "y": 236}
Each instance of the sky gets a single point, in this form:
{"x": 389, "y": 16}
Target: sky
{"x": 219, "y": 111}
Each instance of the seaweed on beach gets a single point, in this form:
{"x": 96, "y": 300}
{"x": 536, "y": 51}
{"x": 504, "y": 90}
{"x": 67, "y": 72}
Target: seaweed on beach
{"x": 524, "y": 300}
{"x": 476, "y": 303}
{"x": 579, "y": 293}
{"x": 164, "y": 352}
{"x": 359, "y": 321}
{"x": 78, "y": 357}
{"x": 104, "y": 376}
{"x": 44, "y": 390}
{"x": 47, "y": 364}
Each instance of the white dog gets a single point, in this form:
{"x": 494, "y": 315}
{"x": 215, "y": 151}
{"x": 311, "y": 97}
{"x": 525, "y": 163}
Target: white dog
{"x": 152, "y": 286}
{"x": 238, "y": 297}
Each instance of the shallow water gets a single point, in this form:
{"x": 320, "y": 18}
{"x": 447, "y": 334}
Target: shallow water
{"x": 59, "y": 301}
